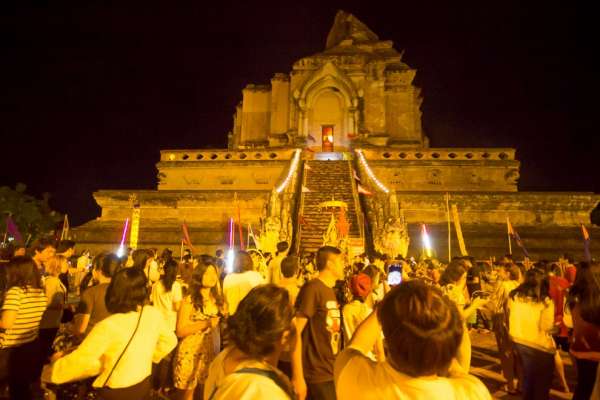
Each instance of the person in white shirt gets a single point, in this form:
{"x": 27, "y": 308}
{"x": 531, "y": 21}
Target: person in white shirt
{"x": 259, "y": 331}
{"x": 357, "y": 311}
{"x": 166, "y": 296}
{"x": 509, "y": 276}
{"x": 237, "y": 285}
{"x": 422, "y": 330}
{"x": 530, "y": 323}
{"x": 121, "y": 348}
{"x": 145, "y": 260}
{"x": 274, "y": 266}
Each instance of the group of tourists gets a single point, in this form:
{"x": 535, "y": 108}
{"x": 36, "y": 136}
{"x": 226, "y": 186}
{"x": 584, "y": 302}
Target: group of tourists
{"x": 279, "y": 326}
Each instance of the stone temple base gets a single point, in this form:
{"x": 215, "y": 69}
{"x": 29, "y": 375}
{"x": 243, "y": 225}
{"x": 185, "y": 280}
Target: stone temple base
{"x": 548, "y": 223}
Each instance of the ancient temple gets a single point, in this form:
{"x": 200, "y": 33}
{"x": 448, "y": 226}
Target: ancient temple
{"x": 334, "y": 152}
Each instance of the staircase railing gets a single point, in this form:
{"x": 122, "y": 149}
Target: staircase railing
{"x": 360, "y": 218}
{"x": 300, "y": 211}
{"x": 389, "y": 232}
{"x": 281, "y": 209}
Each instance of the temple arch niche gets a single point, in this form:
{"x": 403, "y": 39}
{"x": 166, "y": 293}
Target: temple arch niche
{"x": 328, "y": 98}
{"x": 328, "y": 109}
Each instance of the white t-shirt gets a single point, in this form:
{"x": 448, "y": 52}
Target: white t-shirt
{"x": 237, "y": 286}
{"x": 354, "y": 313}
{"x": 530, "y": 323}
{"x": 164, "y": 300}
{"x": 357, "y": 376}
{"x": 100, "y": 350}
{"x": 242, "y": 386}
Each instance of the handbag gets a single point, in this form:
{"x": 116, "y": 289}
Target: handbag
{"x": 117, "y": 393}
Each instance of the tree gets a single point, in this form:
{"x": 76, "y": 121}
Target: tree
{"x": 33, "y": 216}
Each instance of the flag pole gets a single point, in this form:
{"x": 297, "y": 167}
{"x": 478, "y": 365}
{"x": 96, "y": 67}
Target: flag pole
{"x": 449, "y": 231}
{"x": 508, "y": 234}
{"x": 181, "y": 253}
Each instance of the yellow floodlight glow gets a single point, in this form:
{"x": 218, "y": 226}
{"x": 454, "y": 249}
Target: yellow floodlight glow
{"x": 365, "y": 165}
{"x": 426, "y": 240}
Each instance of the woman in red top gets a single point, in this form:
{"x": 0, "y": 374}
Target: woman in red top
{"x": 584, "y": 303}
{"x": 558, "y": 290}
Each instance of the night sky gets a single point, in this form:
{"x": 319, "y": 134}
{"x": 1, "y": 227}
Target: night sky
{"x": 89, "y": 93}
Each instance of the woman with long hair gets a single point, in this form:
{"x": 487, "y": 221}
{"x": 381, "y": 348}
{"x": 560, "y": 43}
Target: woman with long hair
{"x": 584, "y": 303}
{"x": 56, "y": 293}
{"x": 198, "y": 328}
{"x": 24, "y": 305}
{"x": 121, "y": 348}
{"x": 509, "y": 278}
{"x": 531, "y": 321}
{"x": 166, "y": 296}
{"x": 259, "y": 331}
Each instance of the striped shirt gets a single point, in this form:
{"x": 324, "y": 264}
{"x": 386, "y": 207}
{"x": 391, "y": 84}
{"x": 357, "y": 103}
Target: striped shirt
{"x": 29, "y": 304}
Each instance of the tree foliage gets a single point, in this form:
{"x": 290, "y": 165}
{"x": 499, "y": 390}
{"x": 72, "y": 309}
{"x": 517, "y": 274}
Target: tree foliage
{"x": 33, "y": 216}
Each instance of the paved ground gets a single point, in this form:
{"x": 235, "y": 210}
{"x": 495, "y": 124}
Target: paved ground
{"x": 486, "y": 365}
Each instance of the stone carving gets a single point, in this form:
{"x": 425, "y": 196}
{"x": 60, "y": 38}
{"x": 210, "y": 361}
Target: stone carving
{"x": 512, "y": 176}
{"x": 393, "y": 238}
{"x": 330, "y": 237}
{"x": 270, "y": 234}
{"x": 434, "y": 177}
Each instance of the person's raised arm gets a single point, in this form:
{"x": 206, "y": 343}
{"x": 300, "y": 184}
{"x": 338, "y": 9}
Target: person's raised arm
{"x": 185, "y": 326}
{"x": 84, "y": 362}
{"x": 367, "y": 334}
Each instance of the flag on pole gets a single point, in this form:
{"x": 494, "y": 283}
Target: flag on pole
{"x": 305, "y": 189}
{"x": 64, "y": 235}
{"x": 311, "y": 138}
{"x": 515, "y": 236}
{"x": 363, "y": 190}
{"x": 459, "y": 235}
{"x": 13, "y": 230}
{"x": 586, "y": 244}
{"x": 186, "y": 236}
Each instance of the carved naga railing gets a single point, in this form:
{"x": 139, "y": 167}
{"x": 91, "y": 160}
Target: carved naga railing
{"x": 280, "y": 213}
{"x": 388, "y": 228}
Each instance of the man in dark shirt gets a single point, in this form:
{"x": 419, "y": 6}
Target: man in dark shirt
{"x": 318, "y": 327}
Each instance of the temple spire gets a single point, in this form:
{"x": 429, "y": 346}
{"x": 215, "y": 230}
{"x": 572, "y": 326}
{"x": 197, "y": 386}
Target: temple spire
{"x": 347, "y": 26}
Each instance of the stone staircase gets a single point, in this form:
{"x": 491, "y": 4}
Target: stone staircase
{"x": 326, "y": 180}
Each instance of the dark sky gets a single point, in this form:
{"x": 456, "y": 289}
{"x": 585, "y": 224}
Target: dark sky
{"x": 90, "y": 92}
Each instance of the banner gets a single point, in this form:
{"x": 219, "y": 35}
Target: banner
{"x": 186, "y": 236}
{"x": 459, "y": 235}
{"x": 64, "y": 235}
{"x": 512, "y": 233}
{"x": 13, "y": 230}
{"x": 363, "y": 190}
{"x": 135, "y": 227}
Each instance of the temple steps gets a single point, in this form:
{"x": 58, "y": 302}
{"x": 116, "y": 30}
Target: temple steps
{"x": 326, "y": 180}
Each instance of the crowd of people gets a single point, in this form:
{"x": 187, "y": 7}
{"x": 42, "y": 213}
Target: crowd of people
{"x": 279, "y": 326}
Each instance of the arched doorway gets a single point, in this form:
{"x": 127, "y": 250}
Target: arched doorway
{"x": 326, "y": 120}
